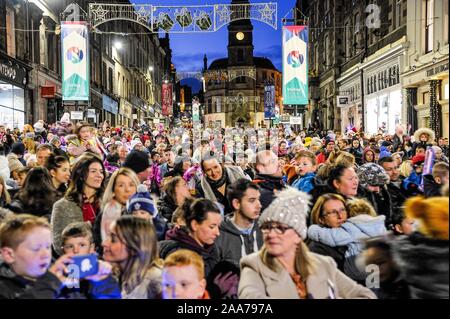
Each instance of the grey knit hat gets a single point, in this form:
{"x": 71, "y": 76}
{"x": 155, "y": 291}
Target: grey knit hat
{"x": 291, "y": 208}
{"x": 372, "y": 174}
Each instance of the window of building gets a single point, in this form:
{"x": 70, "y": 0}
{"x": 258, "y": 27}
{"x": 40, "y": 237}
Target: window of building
{"x": 10, "y": 32}
{"x": 356, "y": 24}
{"x": 347, "y": 40}
{"x": 429, "y": 25}
{"x": 397, "y": 14}
{"x": 327, "y": 50}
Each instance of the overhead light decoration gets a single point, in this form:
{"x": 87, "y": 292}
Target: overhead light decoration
{"x": 165, "y": 22}
{"x": 184, "y": 17}
{"x": 204, "y": 21}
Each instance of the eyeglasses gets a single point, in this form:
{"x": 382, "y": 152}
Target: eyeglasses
{"x": 335, "y": 212}
{"x": 279, "y": 229}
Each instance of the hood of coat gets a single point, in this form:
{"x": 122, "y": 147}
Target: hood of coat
{"x": 227, "y": 226}
{"x": 420, "y": 131}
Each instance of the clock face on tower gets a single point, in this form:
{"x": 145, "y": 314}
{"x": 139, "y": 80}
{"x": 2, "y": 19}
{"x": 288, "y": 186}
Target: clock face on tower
{"x": 240, "y": 36}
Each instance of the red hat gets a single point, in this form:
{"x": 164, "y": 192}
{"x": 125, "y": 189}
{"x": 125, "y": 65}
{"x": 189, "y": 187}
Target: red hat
{"x": 418, "y": 159}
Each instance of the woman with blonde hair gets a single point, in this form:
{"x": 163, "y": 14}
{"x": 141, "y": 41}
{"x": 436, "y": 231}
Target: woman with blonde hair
{"x": 121, "y": 186}
{"x": 285, "y": 268}
{"x": 131, "y": 245}
{"x": 30, "y": 145}
{"x": 406, "y": 168}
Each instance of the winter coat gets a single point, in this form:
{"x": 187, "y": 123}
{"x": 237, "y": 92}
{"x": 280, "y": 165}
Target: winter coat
{"x": 268, "y": 185}
{"x": 337, "y": 253}
{"x": 351, "y": 233}
{"x": 180, "y": 239}
{"x": 358, "y": 154}
{"x": 381, "y": 202}
{"x": 4, "y": 168}
{"x": 260, "y": 282}
{"x": 13, "y": 286}
{"x": 398, "y": 195}
{"x": 232, "y": 244}
{"x": 164, "y": 169}
{"x": 204, "y": 189}
{"x": 64, "y": 213}
{"x": 166, "y": 207}
{"x": 149, "y": 288}
{"x": 424, "y": 264}
{"x": 430, "y": 187}
{"x": 305, "y": 183}
{"x": 397, "y": 142}
{"x": 412, "y": 182}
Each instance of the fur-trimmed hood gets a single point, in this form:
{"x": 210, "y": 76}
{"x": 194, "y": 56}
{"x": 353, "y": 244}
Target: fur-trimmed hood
{"x": 420, "y": 131}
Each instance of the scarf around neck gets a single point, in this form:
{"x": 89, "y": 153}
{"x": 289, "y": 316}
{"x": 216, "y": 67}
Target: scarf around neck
{"x": 220, "y": 182}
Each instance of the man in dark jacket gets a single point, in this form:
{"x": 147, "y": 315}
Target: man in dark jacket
{"x": 397, "y": 193}
{"x": 269, "y": 176}
{"x": 239, "y": 233}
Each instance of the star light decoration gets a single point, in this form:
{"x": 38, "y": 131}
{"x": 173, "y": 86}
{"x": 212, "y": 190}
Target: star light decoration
{"x": 99, "y": 14}
{"x": 142, "y": 15}
{"x": 267, "y": 13}
{"x": 224, "y": 13}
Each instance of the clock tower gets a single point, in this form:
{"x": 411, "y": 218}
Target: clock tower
{"x": 240, "y": 37}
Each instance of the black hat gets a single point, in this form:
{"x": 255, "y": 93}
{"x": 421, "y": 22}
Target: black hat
{"x": 18, "y": 148}
{"x": 386, "y": 143}
{"x": 138, "y": 161}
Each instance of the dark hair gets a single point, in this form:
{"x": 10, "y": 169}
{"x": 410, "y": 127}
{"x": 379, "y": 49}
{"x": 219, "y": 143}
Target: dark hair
{"x": 336, "y": 173}
{"x": 199, "y": 211}
{"x": 421, "y": 146}
{"x": 209, "y": 156}
{"x": 37, "y": 193}
{"x": 386, "y": 159}
{"x": 75, "y": 230}
{"x": 397, "y": 217}
{"x": 55, "y": 161}
{"x": 78, "y": 177}
{"x": 238, "y": 188}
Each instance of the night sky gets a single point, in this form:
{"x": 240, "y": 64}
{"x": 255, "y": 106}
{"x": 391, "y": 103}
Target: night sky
{"x": 188, "y": 49}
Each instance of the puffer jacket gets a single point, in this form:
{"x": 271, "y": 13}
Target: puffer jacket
{"x": 166, "y": 207}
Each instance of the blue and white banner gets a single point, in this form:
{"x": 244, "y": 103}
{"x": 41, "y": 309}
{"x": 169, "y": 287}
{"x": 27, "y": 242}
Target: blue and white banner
{"x": 269, "y": 102}
{"x": 75, "y": 61}
{"x": 295, "y": 65}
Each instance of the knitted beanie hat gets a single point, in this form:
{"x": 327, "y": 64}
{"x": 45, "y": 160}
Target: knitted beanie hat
{"x": 290, "y": 208}
{"x": 142, "y": 200}
{"x": 372, "y": 174}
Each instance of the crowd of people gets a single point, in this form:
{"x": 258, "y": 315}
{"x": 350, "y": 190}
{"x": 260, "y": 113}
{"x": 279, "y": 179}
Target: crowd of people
{"x": 180, "y": 213}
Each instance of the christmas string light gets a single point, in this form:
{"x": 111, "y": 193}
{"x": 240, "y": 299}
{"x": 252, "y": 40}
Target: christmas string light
{"x": 435, "y": 112}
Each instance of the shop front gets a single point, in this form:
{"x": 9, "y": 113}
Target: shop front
{"x": 383, "y": 99}
{"x": 125, "y": 113}
{"x": 110, "y": 108}
{"x": 13, "y": 80}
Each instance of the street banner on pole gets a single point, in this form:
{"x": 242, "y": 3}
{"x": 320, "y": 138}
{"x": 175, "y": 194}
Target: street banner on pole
{"x": 295, "y": 65}
{"x": 75, "y": 61}
{"x": 269, "y": 102}
{"x": 167, "y": 107}
{"x": 195, "y": 111}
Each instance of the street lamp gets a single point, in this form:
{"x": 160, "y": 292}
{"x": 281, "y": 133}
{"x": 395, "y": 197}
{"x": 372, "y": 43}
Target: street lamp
{"x": 118, "y": 45}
